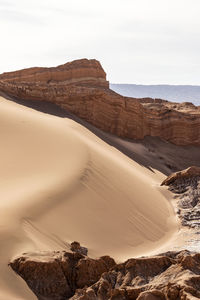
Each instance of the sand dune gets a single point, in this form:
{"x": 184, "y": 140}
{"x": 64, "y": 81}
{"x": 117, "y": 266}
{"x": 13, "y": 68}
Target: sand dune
{"x": 60, "y": 183}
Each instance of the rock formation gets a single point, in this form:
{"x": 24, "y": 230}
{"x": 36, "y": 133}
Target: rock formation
{"x": 57, "y": 275}
{"x": 80, "y": 87}
{"x": 78, "y": 71}
{"x": 185, "y": 185}
{"x": 62, "y": 276}
{"x": 190, "y": 172}
{"x": 76, "y": 247}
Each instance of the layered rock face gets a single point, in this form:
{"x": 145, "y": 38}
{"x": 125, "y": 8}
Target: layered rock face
{"x": 62, "y": 276}
{"x": 80, "y": 87}
{"x": 78, "y": 71}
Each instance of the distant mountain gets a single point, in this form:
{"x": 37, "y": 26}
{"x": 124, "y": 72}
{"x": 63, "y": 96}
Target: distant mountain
{"x": 175, "y": 93}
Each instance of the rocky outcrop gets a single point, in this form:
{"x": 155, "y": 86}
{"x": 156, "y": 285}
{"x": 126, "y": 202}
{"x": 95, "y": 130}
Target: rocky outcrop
{"x": 186, "y": 187}
{"x": 76, "y": 247}
{"x": 57, "y": 275}
{"x": 168, "y": 276}
{"x": 190, "y": 172}
{"x": 81, "y": 88}
{"x": 62, "y": 276}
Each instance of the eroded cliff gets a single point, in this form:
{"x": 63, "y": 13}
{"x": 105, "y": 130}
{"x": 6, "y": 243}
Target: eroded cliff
{"x": 81, "y": 88}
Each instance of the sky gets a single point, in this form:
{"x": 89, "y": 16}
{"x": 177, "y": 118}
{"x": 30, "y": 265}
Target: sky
{"x": 136, "y": 41}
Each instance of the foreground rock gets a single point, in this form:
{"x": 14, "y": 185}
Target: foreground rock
{"x": 62, "y": 275}
{"x": 57, "y": 275}
{"x": 81, "y": 88}
{"x": 168, "y": 276}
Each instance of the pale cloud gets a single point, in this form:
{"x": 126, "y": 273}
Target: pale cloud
{"x": 137, "y": 41}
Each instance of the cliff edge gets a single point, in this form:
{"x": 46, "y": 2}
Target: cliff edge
{"x": 81, "y": 88}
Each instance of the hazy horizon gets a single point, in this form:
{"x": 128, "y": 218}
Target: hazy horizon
{"x": 174, "y": 93}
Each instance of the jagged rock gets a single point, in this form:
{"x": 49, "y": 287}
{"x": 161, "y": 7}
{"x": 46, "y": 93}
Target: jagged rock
{"x": 56, "y": 275}
{"x": 76, "y": 247}
{"x": 186, "y": 184}
{"x": 151, "y": 278}
{"x": 187, "y": 173}
{"x": 80, "y": 87}
{"x": 62, "y": 276}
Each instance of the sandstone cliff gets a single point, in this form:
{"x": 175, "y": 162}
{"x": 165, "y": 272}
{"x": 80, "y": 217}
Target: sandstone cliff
{"x": 78, "y": 71}
{"x": 80, "y": 87}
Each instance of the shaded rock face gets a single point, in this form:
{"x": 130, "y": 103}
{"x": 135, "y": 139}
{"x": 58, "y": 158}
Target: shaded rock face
{"x": 57, "y": 275}
{"x": 80, "y": 87}
{"x": 61, "y": 275}
{"x": 185, "y": 185}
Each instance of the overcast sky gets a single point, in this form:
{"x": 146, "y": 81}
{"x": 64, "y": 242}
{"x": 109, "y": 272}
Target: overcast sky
{"x": 137, "y": 41}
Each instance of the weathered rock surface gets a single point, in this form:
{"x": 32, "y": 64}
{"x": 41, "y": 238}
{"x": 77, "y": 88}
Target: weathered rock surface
{"x": 185, "y": 185}
{"x": 57, "y": 275}
{"x": 80, "y": 87}
{"x": 78, "y": 71}
{"x": 190, "y": 172}
{"x": 61, "y": 275}
{"x": 173, "y": 275}
{"x": 76, "y": 247}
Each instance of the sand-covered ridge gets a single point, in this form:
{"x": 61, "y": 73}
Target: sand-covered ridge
{"x": 60, "y": 183}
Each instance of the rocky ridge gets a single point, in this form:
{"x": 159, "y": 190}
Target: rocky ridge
{"x": 81, "y": 88}
{"x": 63, "y": 275}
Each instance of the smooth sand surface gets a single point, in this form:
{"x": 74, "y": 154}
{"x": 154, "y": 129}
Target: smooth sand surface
{"x": 59, "y": 183}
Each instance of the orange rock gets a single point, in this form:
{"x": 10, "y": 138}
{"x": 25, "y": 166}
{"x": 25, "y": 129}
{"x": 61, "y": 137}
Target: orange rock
{"x": 80, "y": 87}
{"x": 83, "y": 70}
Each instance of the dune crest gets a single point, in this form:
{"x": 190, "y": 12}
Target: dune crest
{"x": 60, "y": 183}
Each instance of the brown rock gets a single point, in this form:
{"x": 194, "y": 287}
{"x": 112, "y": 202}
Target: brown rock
{"x": 78, "y": 71}
{"x": 151, "y": 278}
{"x": 62, "y": 275}
{"x": 187, "y": 173}
{"x": 76, "y": 247}
{"x": 80, "y": 87}
{"x": 152, "y": 295}
{"x": 56, "y": 275}
{"x": 89, "y": 270}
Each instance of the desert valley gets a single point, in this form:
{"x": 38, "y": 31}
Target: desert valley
{"x": 99, "y": 192}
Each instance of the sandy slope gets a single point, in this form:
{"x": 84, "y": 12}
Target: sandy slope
{"x": 59, "y": 183}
